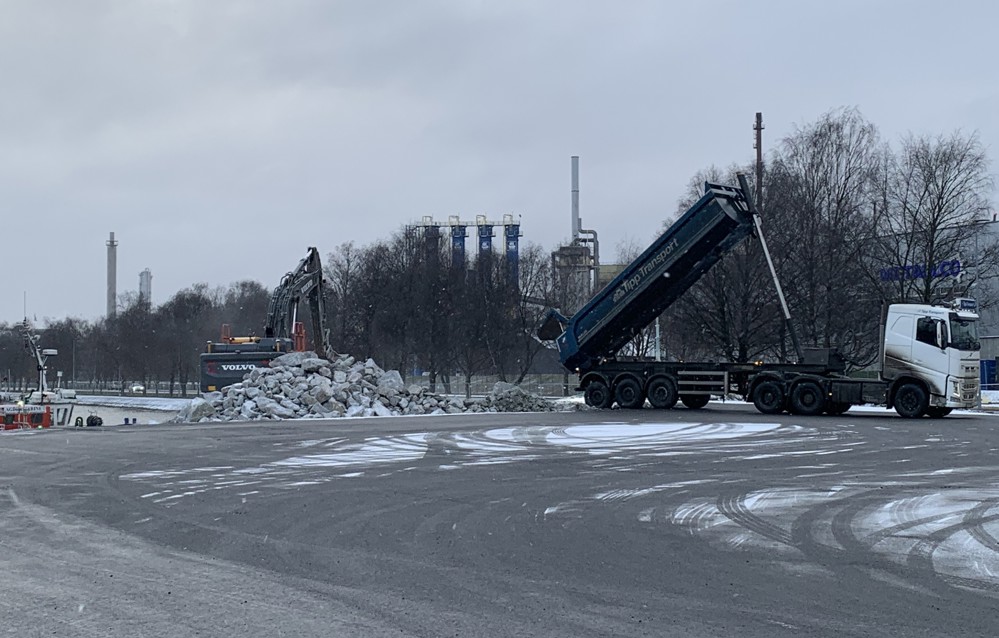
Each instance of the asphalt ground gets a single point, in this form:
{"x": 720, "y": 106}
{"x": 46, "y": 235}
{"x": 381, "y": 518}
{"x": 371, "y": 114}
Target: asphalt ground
{"x": 713, "y": 522}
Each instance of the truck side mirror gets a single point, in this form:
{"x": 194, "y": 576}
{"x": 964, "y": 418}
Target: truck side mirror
{"x": 941, "y": 335}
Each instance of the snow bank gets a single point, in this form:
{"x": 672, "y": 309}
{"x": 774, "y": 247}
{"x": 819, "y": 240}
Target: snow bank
{"x": 164, "y": 404}
{"x": 990, "y": 397}
{"x": 300, "y": 385}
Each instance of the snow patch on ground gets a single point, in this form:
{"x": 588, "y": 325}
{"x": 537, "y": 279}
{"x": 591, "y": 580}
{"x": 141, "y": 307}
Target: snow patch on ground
{"x": 610, "y": 442}
{"x": 954, "y": 532}
{"x": 165, "y": 404}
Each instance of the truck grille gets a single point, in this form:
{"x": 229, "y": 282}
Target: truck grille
{"x": 969, "y": 390}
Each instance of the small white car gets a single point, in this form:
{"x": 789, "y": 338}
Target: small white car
{"x": 137, "y": 388}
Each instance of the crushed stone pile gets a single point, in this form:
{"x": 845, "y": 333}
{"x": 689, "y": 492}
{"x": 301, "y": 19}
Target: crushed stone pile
{"x": 301, "y": 385}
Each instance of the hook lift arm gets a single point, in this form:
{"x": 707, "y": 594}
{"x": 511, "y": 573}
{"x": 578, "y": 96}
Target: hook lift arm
{"x": 757, "y": 222}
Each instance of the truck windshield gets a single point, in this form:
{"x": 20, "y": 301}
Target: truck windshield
{"x": 964, "y": 333}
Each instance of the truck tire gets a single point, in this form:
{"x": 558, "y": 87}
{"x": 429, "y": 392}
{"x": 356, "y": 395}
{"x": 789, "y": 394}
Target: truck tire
{"x": 807, "y": 399}
{"x": 768, "y": 397}
{"x": 597, "y": 395}
{"x": 695, "y": 401}
{"x": 628, "y": 393}
{"x": 662, "y": 393}
{"x": 935, "y": 412}
{"x": 911, "y": 400}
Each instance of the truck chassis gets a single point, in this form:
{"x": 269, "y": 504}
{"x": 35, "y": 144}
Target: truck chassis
{"x": 803, "y": 389}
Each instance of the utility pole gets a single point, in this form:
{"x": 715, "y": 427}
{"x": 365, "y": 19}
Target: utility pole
{"x": 759, "y": 159}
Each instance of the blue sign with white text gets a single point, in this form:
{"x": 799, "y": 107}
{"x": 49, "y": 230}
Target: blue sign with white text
{"x": 949, "y": 268}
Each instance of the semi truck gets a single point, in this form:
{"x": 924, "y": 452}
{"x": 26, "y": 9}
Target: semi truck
{"x": 929, "y": 354}
{"x": 226, "y": 361}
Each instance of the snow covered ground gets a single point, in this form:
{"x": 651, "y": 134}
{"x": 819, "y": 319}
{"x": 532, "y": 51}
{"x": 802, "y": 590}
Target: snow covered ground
{"x": 138, "y": 409}
{"x": 167, "y": 404}
{"x": 990, "y": 398}
{"x": 114, "y": 410}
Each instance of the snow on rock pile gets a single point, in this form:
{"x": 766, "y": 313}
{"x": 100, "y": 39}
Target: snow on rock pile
{"x": 301, "y": 385}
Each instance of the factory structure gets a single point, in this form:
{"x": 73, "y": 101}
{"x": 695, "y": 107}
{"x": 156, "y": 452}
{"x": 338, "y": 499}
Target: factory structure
{"x": 577, "y": 265}
{"x": 431, "y": 232}
{"x": 145, "y": 279}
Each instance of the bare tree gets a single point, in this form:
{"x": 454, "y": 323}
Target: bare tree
{"x": 343, "y": 271}
{"x": 243, "y": 306}
{"x": 731, "y": 313}
{"x": 472, "y": 330}
{"x": 135, "y": 334}
{"x": 931, "y": 200}
{"x": 185, "y": 317}
{"x": 536, "y": 295}
{"x": 824, "y": 172}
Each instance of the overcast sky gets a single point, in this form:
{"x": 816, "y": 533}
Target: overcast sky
{"x": 219, "y": 139}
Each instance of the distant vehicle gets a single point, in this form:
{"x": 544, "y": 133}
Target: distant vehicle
{"x": 137, "y": 388}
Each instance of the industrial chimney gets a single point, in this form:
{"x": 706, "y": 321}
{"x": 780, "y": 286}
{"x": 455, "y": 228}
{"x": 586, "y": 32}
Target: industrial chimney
{"x": 575, "y": 198}
{"x": 112, "y": 275}
{"x": 146, "y": 286}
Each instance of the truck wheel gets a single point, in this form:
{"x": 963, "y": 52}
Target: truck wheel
{"x": 662, "y": 393}
{"x": 807, "y": 399}
{"x": 768, "y": 397}
{"x": 836, "y": 408}
{"x": 935, "y": 412}
{"x": 911, "y": 400}
{"x": 597, "y": 394}
{"x": 629, "y": 395}
{"x": 695, "y": 401}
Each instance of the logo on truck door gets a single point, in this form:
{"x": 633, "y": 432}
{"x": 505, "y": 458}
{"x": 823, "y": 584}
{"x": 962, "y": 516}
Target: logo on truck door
{"x": 632, "y": 283}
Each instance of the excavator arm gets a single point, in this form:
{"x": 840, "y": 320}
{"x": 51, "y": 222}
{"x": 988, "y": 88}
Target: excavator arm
{"x": 305, "y": 282}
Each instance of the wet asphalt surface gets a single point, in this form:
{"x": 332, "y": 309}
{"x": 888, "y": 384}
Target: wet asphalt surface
{"x": 714, "y": 522}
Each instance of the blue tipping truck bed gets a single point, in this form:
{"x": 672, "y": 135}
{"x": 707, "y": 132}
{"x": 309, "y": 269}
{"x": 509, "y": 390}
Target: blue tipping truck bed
{"x": 651, "y": 283}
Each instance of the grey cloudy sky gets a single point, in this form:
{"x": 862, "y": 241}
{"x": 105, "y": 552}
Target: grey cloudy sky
{"x": 220, "y": 138}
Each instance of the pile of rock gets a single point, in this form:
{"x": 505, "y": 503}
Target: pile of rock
{"x": 301, "y": 385}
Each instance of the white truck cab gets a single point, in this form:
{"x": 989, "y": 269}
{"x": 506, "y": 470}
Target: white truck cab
{"x": 931, "y": 357}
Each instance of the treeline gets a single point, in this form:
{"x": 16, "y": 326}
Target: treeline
{"x": 140, "y": 344}
{"x": 852, "y": 222}
{"x": 403, "y": 302}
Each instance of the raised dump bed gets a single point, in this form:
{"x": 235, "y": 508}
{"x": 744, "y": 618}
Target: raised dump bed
{"x": 651, "y": 283}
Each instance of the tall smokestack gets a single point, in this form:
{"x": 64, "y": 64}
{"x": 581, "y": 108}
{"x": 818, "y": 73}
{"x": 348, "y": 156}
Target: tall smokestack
{"x": 112, "y": 275}
{"x": 575, "y": 198}
{"x": 146, "y": 286}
